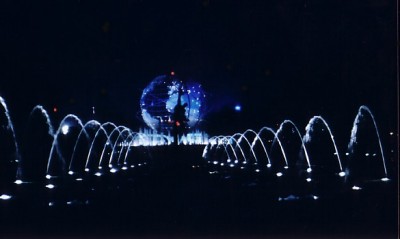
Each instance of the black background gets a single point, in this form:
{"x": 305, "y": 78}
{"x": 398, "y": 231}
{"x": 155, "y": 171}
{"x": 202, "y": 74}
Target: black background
{"x": 278, "y": 59}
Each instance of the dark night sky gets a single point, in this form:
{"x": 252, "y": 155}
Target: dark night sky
{"x": 280, "y": 59}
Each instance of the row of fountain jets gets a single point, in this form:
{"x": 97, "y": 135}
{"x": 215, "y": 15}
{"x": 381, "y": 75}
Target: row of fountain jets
{"x": 239, "y": 150}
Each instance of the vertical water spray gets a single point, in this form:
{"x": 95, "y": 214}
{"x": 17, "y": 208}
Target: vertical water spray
{"x": 307, "y": 136}
{"x": 279, "y": 142}
{"x": 353, "y": 136}
{"x": 301, "y": 139}
{"x": 10, "y": 126}
{"x": 55, "y": 145}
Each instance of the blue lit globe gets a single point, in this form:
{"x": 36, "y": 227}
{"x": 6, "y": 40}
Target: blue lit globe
{"x": 161, "y": 96}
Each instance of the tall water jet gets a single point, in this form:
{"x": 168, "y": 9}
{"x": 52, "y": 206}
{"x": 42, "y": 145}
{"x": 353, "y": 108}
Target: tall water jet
{"x": 327, "y": 167}
{"x": 242, "y": 136}
{"x": 362, "y": 159}
{"x": 82, "y": 146}
{"x": 97, "y": 145}
{"x": 276, "y": 137}
{"x": 9, "y": 151}
{"x": 36, "y": 144}
{"x": 57, "y": 168}
{"x": 300, "y": 137}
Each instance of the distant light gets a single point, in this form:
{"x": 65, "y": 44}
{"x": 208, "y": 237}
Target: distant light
{"x": 286, "y": 167}
{"x": 51, "y": 204}
{"x": 65, "y": 129}
{"x": 50, "y": 186}
{"x": 236, "y": 161}
{"x": 238, "y": 108}
{"x": 215, "y": 162}
{"x": 279, "y": 174}
{"x": 79, "y": 179}
{"x": 356, "y": 188}
{"x": 71, "y": 172}
{"x": 48, "y": 176}
{"x": 5, "y": 197}
{"x": 87, "y": 169}
{"x": 385, "y": 179}
{"x": 309, "y": 170}
{"x": 172, "y": 73}
{"x": 257, "y": 170}
{"x": 308, "y": 179}
{"x": 347, "y": 154}
{"x": 98, "y": 174}
{"x": 228, "y": 161}
{"x": 367, "y": 154}
{"x": 315, "y": 197}
{"x": 342, "y": 174}
{"x": 231, "y": 165}
{"x": 18, "y": 182}
{"x": 113, "y": 170}
{"x": 269, "y": 165}
{"x": 55, "y": 109}
{"x": 124, "y": 168}
{"x": 391, "y": 133}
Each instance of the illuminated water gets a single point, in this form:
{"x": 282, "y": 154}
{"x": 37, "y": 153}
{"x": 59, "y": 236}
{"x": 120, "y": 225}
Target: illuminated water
{"x": 100, "y": 177}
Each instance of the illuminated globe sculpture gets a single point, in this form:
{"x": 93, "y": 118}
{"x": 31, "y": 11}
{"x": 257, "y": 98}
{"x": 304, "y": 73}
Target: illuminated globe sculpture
{"x": 161, "y": 96}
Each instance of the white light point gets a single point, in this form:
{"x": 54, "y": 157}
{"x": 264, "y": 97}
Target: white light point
{"x": 236, "y": 161}
{"x": 286, "y": 167}
{"x": 65, "y": 129}
{"x": 279, "y": 174}
{"x": 315, "y": 197}
{"x": 113, "y": 170}
{"x": 79, "y": 179}
{"x": 385, "y": 179}
{"x": 48, "y": 176}
{"x": 215, "y": 162}
{"x": 70, "y": 172}
{"x": 18, "y": 182}
{"x": 222, "y": 164}
{"x": 50, "y": 186}
{"x": 309, "y": 170}
{"x": 257, "y": 170}
{"x": 231, "y": 165}
{"x": 347, "y": 154}
{"x": 87, "y": 169}
{"x": 228, "y": 161}
{"x": 269, "y": 165}
{"x": 356, "y": 188}
{"x": 5, "y": 197}
{"x": 342, "y": 174}
{"x": 98, "y": 174}
{"x": 124, "y": 168}
{"x": 308, "y": 180}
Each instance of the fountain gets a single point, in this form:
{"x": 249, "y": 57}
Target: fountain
{"x": 363, "y": 161}
{"x": 9, "y": 150}
{"x": 82, "y": 151}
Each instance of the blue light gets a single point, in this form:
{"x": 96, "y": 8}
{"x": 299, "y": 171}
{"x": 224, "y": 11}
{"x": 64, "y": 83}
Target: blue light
{"x": 238, "y": 108}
